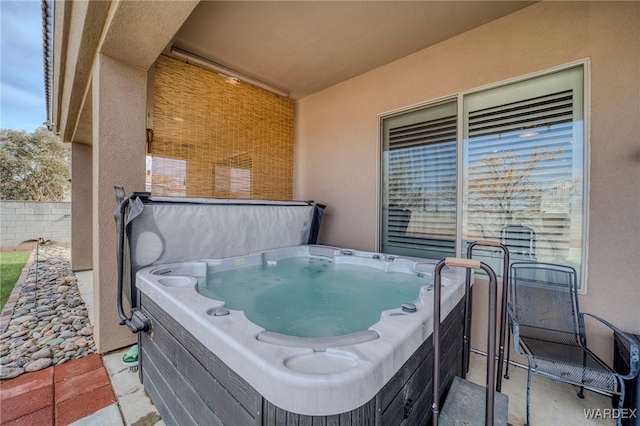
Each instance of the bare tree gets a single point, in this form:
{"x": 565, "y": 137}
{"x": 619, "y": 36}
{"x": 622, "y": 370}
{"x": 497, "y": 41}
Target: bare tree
{"x": 499, "y": 185}
{"x": 33, "y": 166}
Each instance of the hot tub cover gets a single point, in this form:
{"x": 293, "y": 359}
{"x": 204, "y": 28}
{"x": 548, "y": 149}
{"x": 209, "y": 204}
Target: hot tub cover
{"x": 161, "y": 230}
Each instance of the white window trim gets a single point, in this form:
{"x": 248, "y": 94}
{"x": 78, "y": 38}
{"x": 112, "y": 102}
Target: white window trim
{"x": 458, "y": 97}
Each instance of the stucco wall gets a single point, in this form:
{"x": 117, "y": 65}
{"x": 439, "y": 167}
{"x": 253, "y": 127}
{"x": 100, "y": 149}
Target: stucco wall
{"x": 337, "y": 140}
{"x": 26, "y": 220}
{"x": 81, "y": 209}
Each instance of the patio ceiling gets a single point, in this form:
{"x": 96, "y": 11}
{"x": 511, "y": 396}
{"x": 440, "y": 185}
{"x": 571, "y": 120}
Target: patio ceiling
{"x": 306, "y": 46}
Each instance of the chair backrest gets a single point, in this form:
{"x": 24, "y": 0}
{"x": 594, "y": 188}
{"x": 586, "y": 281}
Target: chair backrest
{"x": 545, "y": 302}
{"x": 521, "y": 240}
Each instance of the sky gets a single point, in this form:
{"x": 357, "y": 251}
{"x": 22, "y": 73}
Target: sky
{"x": 22, "y": 97}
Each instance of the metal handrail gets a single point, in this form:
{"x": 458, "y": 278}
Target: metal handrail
{"x": 503, "y": 310}
{"x": 491, "y": 335}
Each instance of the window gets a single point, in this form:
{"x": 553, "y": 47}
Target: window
{"x": 419, "y": 181}
{"x": 515, "y": 173}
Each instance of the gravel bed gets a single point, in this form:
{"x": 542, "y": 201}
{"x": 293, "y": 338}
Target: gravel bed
{"x": 49, "y": 324}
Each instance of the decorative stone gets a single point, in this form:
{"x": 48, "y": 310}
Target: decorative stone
{"x": 43, "y": 341}
{"x": 10, "y": 373}
{"x": 38, "y": 365}
{"x": 16, "y": 344}
{"x": 67, "y": 334}
{"x": 49, "y": 323}
{"x": 21, "y": 312}
{"x": 42, "y": 353}
{"x": 56, "y": 341}
{"x": 21, "y": 362}
{"x": 77, "y": 327}
{"x": 21, "y": 319}
{"x": 70, "y": 280}
{"x": 70, "y": 346}
{"x": 20, "y": 333}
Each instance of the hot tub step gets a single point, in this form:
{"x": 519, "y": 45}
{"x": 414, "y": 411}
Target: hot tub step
{"x": 465, "y": 405}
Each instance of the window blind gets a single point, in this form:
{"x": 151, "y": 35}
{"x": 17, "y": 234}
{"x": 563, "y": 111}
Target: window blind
{"x": 419, "y": 215}
{"x": 213, "y": 139}
{"x": 523, "y": 167}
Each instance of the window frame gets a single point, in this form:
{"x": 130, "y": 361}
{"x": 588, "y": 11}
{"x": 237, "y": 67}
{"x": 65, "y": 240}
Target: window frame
{"x": 458, "y": 97}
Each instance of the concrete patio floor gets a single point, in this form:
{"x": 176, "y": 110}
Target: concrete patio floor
{"x": 552, "y": 402}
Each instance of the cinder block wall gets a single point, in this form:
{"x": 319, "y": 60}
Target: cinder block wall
{"x": 25, "y": 220}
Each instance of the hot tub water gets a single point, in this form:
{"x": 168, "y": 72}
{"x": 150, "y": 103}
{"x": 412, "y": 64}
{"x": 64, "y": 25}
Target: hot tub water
{"x": 312, "y": 297}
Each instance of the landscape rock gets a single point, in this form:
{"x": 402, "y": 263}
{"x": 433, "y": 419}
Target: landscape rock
{"x": 38, "y": 365}
{"x": 10, "y": 373}
{"x": 42, "y": 353}
{"x": 49, "y": 324}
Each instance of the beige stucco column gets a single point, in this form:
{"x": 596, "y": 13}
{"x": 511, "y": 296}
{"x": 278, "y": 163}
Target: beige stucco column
{"x": 81, "y": 207}
{"x": 119, "y": 105}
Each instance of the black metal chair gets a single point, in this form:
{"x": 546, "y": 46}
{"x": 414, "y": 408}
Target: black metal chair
{"x": 549, "y": 330}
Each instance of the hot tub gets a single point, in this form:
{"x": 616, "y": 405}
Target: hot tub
{"x": 205, "y": 361}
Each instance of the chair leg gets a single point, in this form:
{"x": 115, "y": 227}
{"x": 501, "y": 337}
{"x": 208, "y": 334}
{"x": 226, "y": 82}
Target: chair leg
{"x": 620, "y": 402}
{"x": 508, "y": 349}
{"x": 584, "y": 370}
{"x": 528, "y": 392}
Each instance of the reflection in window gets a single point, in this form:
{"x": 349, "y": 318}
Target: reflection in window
{"x": 232, "y": 176}
{"x": 523, "y": 169}
{"x": 236, "y": 183}
{"x": 166, "y": 176}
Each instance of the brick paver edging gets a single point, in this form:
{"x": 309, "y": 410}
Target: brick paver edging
{"x": 7, "y": 311}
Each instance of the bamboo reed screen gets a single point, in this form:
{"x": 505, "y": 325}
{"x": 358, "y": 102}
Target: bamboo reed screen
{"x": 216, "y": 139}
